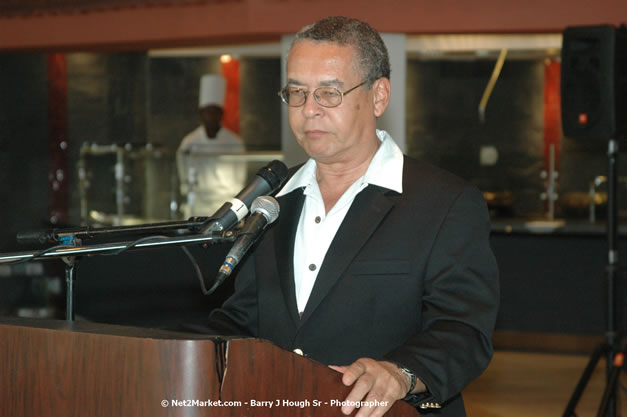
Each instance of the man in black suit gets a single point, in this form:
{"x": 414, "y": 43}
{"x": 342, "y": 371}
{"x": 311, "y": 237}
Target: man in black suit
{"x": 379, "y": 265}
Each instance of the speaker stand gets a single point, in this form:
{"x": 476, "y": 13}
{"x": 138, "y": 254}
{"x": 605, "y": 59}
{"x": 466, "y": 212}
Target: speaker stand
{"x": 611, "y": 349}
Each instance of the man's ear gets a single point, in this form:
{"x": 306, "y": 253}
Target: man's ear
{"x": 381, "y": 96}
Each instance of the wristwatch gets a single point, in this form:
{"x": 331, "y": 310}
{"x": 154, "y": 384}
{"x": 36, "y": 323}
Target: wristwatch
{"x": 422, "y": 400}
{"x": 412, "y": 378}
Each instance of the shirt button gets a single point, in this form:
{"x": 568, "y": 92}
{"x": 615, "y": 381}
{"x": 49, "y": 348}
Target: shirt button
{"x": 312, "y": 267}
{"x": 318, "y": 219}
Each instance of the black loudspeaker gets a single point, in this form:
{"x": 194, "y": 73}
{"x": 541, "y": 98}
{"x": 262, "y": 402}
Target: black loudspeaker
{"x": 594, "y": 82}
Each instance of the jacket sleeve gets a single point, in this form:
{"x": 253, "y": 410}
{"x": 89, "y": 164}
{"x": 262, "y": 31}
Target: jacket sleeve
{"x": 459, "y": 303}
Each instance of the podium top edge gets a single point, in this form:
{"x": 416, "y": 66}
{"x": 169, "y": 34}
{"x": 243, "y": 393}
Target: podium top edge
{"x": 81, "y": 326}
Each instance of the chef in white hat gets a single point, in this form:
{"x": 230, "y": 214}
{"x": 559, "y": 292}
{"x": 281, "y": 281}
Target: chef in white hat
{"x": 208, "y": 179}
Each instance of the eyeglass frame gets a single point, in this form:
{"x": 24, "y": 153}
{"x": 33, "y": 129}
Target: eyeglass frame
{"x": 342, "y": 94}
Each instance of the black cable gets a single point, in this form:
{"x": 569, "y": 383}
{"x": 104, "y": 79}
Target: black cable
{"x": 135, "y": 243}
{"x": 191, "y": 258}
{"x": 196, "y": 267}
{"x": 193, "y": 261}
{"x": 39, "y": 254}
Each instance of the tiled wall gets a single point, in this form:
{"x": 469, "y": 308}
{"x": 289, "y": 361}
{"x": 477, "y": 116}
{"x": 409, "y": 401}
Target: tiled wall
{"x": 23, "y": 145}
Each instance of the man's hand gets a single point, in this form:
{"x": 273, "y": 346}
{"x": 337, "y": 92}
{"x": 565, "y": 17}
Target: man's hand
{"x": 378, "y": 381}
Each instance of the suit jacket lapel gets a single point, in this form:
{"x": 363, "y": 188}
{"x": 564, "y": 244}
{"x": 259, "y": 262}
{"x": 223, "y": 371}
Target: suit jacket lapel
{"x": 366, "y": 213}
{"x": 291, "y": 206}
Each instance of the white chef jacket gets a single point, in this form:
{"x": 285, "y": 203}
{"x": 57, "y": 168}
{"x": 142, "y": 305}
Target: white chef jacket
{"x": 210, "y": 178}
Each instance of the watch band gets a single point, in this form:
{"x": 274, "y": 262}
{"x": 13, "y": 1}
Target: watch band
{"x": 412, "y": 378}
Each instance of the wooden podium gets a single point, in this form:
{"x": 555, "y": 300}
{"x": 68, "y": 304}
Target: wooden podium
{"x": 57, "y": 368}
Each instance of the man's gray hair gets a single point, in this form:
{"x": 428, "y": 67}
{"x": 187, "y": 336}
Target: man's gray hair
{"x": 371, "y": 51}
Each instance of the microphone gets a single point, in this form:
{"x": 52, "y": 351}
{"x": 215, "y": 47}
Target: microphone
{"x": 267, "y": 180}
{"x": 265, "y": 210}
{"x": 40, "y": 237}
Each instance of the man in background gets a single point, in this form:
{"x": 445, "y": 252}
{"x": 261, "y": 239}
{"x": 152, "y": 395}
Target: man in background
{"x": 208, "y": 177}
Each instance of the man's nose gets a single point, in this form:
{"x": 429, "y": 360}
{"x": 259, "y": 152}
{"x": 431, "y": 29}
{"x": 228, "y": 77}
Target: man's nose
{"x": 311, "y": 108}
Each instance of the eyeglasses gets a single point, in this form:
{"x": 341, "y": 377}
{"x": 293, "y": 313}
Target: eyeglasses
{"x": 325, "y": 96}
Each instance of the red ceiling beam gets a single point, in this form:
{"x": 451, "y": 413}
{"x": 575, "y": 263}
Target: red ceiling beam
{"x": 228, "y": 21}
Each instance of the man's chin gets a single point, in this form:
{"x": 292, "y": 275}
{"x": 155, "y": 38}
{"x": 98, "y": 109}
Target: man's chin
{"x": 211, "y": 134}
{"x": 315, "y": 152}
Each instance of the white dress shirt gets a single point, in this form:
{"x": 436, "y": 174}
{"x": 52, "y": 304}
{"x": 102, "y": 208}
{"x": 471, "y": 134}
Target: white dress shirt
{"x": 316, "y": 228}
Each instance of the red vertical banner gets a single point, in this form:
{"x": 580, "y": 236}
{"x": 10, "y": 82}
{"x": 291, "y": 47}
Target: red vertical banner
{"x": 552, "y": 112}
{"x": 230, "y": 71}
{"x": 552, "y": 131}
{"x": 58, "y": 138}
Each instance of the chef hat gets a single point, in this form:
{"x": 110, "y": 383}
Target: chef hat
{"x": 212, "y": 89}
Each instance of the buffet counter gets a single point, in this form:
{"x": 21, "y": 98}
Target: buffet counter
{"x": 552, "y": 227}
{"x": 553, "y": 275}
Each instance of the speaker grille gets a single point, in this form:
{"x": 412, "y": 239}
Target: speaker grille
{"x": 594, "y": 84}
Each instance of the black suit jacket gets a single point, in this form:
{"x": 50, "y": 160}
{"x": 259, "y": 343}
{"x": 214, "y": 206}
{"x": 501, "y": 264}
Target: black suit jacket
{"x": 408, "y": 278}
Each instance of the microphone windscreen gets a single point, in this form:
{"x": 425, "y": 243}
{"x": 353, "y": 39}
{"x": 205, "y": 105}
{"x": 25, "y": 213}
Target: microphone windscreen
{"x": 275, "y": 173}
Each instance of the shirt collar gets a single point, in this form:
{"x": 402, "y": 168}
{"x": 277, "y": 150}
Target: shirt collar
{"x": 385, "y": 169}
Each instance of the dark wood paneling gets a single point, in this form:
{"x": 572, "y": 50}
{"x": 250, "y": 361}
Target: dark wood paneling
{"x": 285, "y": 377}
{"x": 66, "y": 370}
